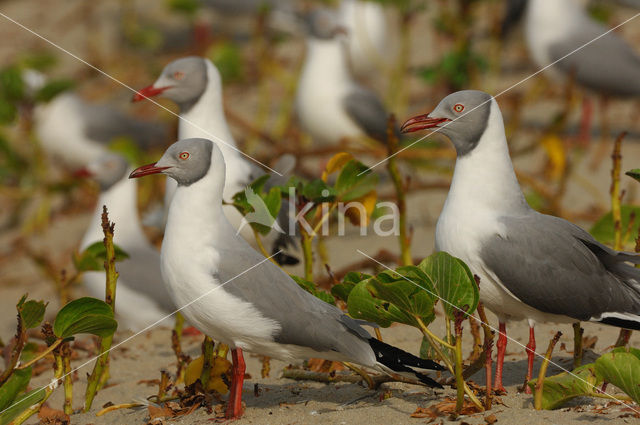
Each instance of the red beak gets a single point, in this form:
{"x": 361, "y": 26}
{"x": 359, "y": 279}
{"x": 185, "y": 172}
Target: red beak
{"x": 146, "y": 170}
{"x": 148, "y": 91}
{"x": 421, "y": 122}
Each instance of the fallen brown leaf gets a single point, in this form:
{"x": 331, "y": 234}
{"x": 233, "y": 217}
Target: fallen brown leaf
{"x": 49, "y": 416}
{"x": 445, "y": 407}
{"x": 491, "y": 419}
{"x": 149, "y": 382}
{"x": 156, "y": 412}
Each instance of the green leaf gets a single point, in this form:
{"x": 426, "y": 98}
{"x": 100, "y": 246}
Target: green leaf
{"x": 635, "y": 173}
{"x": 559, "y": 389}
{"x": 188, "y": 7}
{"x": 227, "y": 57}
{"x": 39, "y": 60}
{"x": 29, "y": 351}
{"x": 363, "y": 305}
{"x": 603, "y": 230}
{"x": 24, "y": 402}
{"x": 354, "y": 181}
{"x": 453, "y": 281}
{"x": 311, "y": 288}
{"x": 259, "y": 209}
{"x": 8, "y": 111}
{"x": 318, "y": 191}
{"x": 350, "y": 280}
{"x": 11, "y": 84}
{"x": 52, "y": 89}
{"x": 32, "y": 312}
{"x": 621, "y": 367}
{"x": 94, "y": 256}
{"x": 16, "y": 383}
{"x": 407, "y": 297}
{"x": 85, "y": 315}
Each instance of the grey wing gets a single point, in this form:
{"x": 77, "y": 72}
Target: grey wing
{"x": 367, "y": 111}
{"x": 558, "y": 268}
{"x": 304, "y": 319}
{"x": 608, "y": 64}
{"x": 104, "y": 123}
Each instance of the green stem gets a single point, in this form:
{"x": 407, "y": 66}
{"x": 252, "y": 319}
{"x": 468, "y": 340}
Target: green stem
{"x": 458, "y": 369}
{"x": 100, "y": 372}
{"x": 577, "y": 344}
{"x": 207, "y": 353}
{"x": 307, "y": 253}
{"x": 41, "y": 355}
{"x": 537, "y": 396}
{"x": 48, "y": 390}
{"x": 398, "y": 183}
{"x": 261, "y": 247}
{"x": 68, "y": 382}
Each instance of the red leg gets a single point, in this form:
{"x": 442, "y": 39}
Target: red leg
{"x": 502, "y": 347}
{"x": 234, "y": 405}
{"x": 531, "y": 352}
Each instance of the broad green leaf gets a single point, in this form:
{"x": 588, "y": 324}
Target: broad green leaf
{"x": 11, "y": 83}
{"x": 407, "y": 297}
{"x": 453, "y": 283}
{"x": 363, "y": 305}
{"x": 318, "y": 191}
{"x": 85, "y": 315}
{"x": 603, "y": 230}
{"x": 559, "y": 389}
{"x": 240, "y": 199}
{"x": 350, "y": 280}
{"x": 16, "y": 383}
{"x": 621, "y": 367}
{"x": 355, "y": 181}
{"x": 635, "y": 173}
{"x": 227, "y": 57}
{"x": 311, "y": 288}
{"x": 94, "y": 256}
{"x": 23, "y": 403}
{"x": 32, "y": 312}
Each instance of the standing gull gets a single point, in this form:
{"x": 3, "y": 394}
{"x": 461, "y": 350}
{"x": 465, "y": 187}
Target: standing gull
{"x": 232, "y": 293}
{"x": 195, "y": 85}
{"x": 330, "y": 104}
{"x": 142, "y": 298}
{"x": 531, "y": 266}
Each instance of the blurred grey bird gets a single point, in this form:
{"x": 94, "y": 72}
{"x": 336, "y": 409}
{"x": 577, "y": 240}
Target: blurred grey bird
{"x": 331, "y": 106}
{"x": 142, "y": 297}
{"x": 531, "y": 266}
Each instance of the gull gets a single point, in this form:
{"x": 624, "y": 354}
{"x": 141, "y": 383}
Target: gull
{"x": 232, "y": 293}
{"x": 366, "y": 26}
{"x": 195, "y": 85}
{"x": 142, "y": 298}
{"x": 77, "y": 132}
{"x": 330, "y": 104}
{"x": 531, "y": 266}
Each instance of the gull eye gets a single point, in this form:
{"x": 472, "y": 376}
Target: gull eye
{"x": 184, "y": 155}
{"x": 178, "y": 75}
{"x": 458, "y": 107}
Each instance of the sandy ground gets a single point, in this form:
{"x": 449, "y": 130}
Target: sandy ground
{"x": 282, "y": 401}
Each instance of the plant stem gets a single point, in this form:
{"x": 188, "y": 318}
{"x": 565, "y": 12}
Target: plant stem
{"x": 577, "y": 344}
{"x": 266, "y": 366}
{"x": 41, "y": 355}
{"x": 307, "y": 253}
{"x": 616, "y": 214}
{"x": 537, "y": 396}
{"x": 100, "y": 372}
{"x": 176, "y": 338}
{"x": 486, "y": 348}
{"x": 48, "y": 390}
{"x": 362, "y": 373}
{"x": 261, "y": 247}
{"x": 425, "y": 330}
{"x": 21, "y": 339}
{"x": 68, "y": 381}
{"x": 398, "y": 183}
{"x": 458, "y": 364}
{"x": 207, "y": 354}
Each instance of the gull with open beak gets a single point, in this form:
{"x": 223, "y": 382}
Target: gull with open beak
{"x": 531, "y": 266}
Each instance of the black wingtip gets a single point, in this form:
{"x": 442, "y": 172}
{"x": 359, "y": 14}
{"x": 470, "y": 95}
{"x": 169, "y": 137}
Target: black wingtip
{"x": 399, "y": 360}
{"x": 621, "y": 323}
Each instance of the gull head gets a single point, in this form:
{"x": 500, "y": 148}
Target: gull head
{"x": 186, "y": 161}
{"x": 182, "y": 81}
{"x": 106, "y": 170}
{"x": 323, "y": 24}
{"x": 462, "y": 116}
